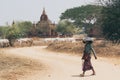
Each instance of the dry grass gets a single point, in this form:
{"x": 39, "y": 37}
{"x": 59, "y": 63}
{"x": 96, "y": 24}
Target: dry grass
{"x": 102, "y": 49}
{"x": 13, "y": 67}
{"x": 66, "y": 47}
{"x": 107, "y": 51}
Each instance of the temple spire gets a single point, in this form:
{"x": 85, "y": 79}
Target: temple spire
{"x": 44, "y": 11}
{"x": 43, "y": 17}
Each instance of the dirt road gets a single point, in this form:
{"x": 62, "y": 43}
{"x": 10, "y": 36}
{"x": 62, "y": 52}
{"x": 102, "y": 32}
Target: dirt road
{"x": 65, "y": 67}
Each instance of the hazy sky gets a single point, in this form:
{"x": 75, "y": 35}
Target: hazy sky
{"x": 30, "y": 10}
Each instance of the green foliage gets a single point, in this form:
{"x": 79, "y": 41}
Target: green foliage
{"x": 111, "y": 20}
{"x": 24, "y": 28}
{"x": 13, "y": 32}
{"x": 65, "y": 27}
{"x": 3, "y": 31}
{"x": 16, "y": 30}
{"x": 83, "y": 14}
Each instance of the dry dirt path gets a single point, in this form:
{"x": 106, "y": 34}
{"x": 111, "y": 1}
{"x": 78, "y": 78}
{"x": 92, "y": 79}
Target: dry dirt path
{"x": 65, "y": 67}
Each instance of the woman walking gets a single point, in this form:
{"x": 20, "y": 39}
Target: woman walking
{"x": 87, "y": 56}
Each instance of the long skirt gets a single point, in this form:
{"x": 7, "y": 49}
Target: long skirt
{"x": 87, "y": 63}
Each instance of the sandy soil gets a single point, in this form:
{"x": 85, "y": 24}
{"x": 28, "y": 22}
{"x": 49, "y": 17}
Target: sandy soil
{"x": 63, "y": 66}
{"x": 14, "y": 66}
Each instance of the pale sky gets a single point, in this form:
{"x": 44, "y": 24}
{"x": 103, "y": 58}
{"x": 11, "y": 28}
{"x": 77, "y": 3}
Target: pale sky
{"x": 31, "y": 10}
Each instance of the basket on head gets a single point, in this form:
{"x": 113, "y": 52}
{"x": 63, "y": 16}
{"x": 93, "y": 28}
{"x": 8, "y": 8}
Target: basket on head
{"x": 88, "y": 39}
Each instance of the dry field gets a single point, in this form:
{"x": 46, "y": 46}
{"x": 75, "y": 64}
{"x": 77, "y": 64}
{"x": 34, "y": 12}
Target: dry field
{"x": 102, "y": 49}
{"x": 13, "y": 67}
{"x": 38, "y": 63}
{"x": 58, "y": 61}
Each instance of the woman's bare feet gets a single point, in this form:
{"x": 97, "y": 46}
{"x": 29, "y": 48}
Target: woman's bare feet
{"x": 93, "y": 73}
{"x": 81, "y": 75}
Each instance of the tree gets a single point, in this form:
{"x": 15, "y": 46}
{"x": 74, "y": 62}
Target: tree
{"x": 3, "y": 31}
{"x": 111, "y": 20}
{"x": 24, "y": 28}
{"x": 65, "y": 27}
{"x": 12, "y": 34}
{"x": 18, "y": 30}
{"x": 84, "y": 15}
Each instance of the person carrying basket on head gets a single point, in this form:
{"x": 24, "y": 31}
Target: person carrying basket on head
{"x": 87, "y": 56}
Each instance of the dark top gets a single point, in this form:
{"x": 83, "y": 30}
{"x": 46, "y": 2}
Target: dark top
{"x": 88, "y": 48}
{"x": 87, "y": 51}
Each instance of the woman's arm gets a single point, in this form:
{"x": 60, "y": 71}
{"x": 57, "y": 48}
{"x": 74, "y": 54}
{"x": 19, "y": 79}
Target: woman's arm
{"x": 94, "y": 53}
